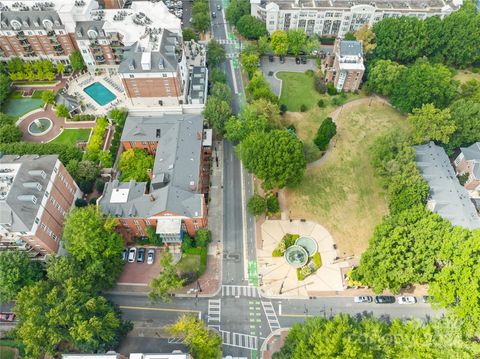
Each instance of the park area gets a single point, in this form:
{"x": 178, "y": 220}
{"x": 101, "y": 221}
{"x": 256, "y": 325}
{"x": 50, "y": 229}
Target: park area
{"x": 72, "y": 136}
{"x": 17, "y": 105}
{"x": 340, "y": 191}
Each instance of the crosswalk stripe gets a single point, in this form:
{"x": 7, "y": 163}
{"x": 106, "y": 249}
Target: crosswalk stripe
{"x": 239, "y": 340}
{"x": 271, "y": 315}
{"x": 239, "y": 290}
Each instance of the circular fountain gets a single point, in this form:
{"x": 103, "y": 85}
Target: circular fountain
{"x": 40, "y": 126}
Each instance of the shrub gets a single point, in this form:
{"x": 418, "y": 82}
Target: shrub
{"x": 319, "y": 84}
{"x": 96, "y": 139}
{"x": 325, "y": 132}
{"x": 188, "y": 277}
{"x": 187, "y": 243}
{"x": 272, "y": 203}
{"x": 283, "y": 108}
{"x": 463, "y": 178}
{"x": 331, "y": 89}
{"x": 338, "y": 101}
{"x": 257, "y": 205}
{"x": 475, "y": 70}
{"x": 321, "y": 103}
{"x": 83, "y": 117}
{"x": 203, "y": 237}
{"x": 93, "y": 201}
{"x": 303, "y": 108}
{"x": 317, "y": 260}
{"x": 99, "y": 185}
{"x": 309, "y": 73}
{"x": 80, "y": 202}
{"x": 66, "y": 153}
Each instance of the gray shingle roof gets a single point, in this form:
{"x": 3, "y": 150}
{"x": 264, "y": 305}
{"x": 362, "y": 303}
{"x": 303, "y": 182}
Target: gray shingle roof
{"x": 82, "y": 28}
{"x": 472, "y": 152}
{"x": 350, "y": 48}
{"x": 18, "y": 210}
{"x": 30, "y": 19}
{"x": 447, "y": 197}
{"x": 198, "y": 83}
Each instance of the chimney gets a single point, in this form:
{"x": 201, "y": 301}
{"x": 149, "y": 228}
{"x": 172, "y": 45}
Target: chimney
{"x": 192, "y": 186}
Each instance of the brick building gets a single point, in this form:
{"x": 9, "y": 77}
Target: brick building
{"x": 38, "y": 30}
{"x": 344, "y": 67}
{"x": 36, "y": 193}
{"x": 174, "y": 202}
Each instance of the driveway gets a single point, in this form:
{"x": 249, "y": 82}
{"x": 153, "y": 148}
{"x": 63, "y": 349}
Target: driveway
{"x": 269, "y": 70}
{"x": 140, "y": 274}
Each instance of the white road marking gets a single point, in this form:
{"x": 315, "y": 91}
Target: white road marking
{"x": 239, "y": 290}
{"x": 272, "y": 318}
{"x": 214, "y": 310}
{"x": 239, "y": 340}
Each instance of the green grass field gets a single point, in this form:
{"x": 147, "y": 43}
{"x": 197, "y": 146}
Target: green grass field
{"x": 189, "y": 263}
{"x": 297, "y": 89}
{"x": 342, "y": 193}
{"x": 71, "y": 136}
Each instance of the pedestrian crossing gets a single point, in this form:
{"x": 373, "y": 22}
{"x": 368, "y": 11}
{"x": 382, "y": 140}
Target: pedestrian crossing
{"x": 271, "y": 315}
{"x": 214, "y": 310}
{"x": 231, "y": 55}
{"x": 175, "y": 340}
{"x": 226, "y": 42}
{"x": 239, "y": 291}
{"x": 239, "y": 340}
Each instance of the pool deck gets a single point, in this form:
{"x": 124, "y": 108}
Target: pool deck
{"x": 58, "y": 124}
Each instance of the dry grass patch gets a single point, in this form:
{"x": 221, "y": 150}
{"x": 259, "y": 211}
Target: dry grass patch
{"x": 465, "y": 75}
{"x": 342, "y": 193}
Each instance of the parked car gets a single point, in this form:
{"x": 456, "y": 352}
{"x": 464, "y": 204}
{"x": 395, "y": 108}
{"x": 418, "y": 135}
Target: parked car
{"x": 282, "y": 59}
{"x": 141, "y": 255}
{"x": 427, "y": 298}
{"x": 297, "y": 60}
{"x": 219, "y": 7}
{"x": 384, "y": 299}
{"x": 303, "y": 59}
{"x": 132, "y": 254}
{"x": 7, "y": 317}
{"x": 150, "y": 256}
{"x": 270, "y": 58}
{"x": 363, "y": 299}
{"x": 214, "y": 15}
{"x": 124, "y": 254}
{"x": 406, "y": 299}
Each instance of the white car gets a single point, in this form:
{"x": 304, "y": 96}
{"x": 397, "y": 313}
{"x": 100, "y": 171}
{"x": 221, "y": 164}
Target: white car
{"x": 132, "y": 254}
{"x": 363, "y": 299}
{"x": 406, "y": 299}
{"x": 150, "y": 256}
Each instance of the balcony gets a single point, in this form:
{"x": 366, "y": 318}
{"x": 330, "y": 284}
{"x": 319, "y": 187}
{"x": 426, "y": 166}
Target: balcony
{"x": 51, "y": 33}
{"x": 57, "y": 47}
{"x": 100, "y": 59}
{"x": 116, "y": 44}
{"x": 20, "y": 35}
{"x": 60, "y": 52}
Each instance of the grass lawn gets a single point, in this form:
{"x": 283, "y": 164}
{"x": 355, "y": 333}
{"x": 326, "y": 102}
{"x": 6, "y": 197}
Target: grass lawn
{"x": 72, "y": 135}
{"x": 298, "y": 88}
{"x": 342, "y": 193}
{"x": 465, "y": 75}
{"x": 33, "y": 83}
{"x": 189, "y": 263}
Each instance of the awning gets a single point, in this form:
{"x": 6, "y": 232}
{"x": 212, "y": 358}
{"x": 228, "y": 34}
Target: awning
{"x": 169, "y": 226}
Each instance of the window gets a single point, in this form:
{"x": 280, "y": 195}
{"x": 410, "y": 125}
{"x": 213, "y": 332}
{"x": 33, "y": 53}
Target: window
{"x": 147, "y": 222}
{"x": 131, "y": 76}
{"x": 144, "y": 143}
{"x": 47, "y": 194}
{"x": 152, "y": 143}
{"x": 37, "y": 220}
{"x": 164, "y": 75}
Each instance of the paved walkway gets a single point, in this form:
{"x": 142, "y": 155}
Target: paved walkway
{"x": 58, "y": 124}
{"x": 30, "y": 88}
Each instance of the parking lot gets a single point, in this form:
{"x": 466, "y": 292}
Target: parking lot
{"x": 141, "y": 273}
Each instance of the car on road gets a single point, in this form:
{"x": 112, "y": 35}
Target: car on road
{"x": 270, "y": 58}
{"x": 219, "y": 7}
{"x": 427, "y": 299}
{"x": 303, "y": 60}
{"x": 384, "y": 299}
{"x": 406, "y": 299}
{"x": 124, "y": 254}
{"x": 282, "y": 59}
{"x": 141, "y": 255}
{"x": 150, "y": 256}
{"x": 363, "y": 299}
{"x": 297, "y": 60}
{"x": 214, "y": 15}
{"x": 132, "y": 254}
{"x": 7, "y": 317}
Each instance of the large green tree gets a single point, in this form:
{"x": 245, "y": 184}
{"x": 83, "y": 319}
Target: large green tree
{"x": 297, "y": 39}
{"x": 251, "y": 27}
{"x": 162, "y": 287}
{"x": 10, "y": 134}
{"x": 215, "y": 53}
{"x": 424, "y": 83}
{"x": 16, "y": 271}
{"x": 325, "y": 133}
{"x": 383, "y": 76}
{"x": 465, "y": 114}
{"x": 202, "y": 342}
{"x": 431, "y": 124}
{"x": 275, "y": 157}
{"x": 221, "y": 91}
{"x": 236, "y": 9}
{"x": 134, "y": 164}
{"x": 93, "y": 242}
{"x": 76, "y": 60}
{"x": 4, "y": 88}
{"x": 217, "y": 112}
{"x": 279, "y": 42}
{"x": 250, "y": 62}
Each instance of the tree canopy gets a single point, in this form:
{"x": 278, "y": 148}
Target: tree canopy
{"x": 134, "y": 164}
{"x": 279, "y": 42}
{"x": 16, "y": 271}
{"x": 217, "y": 112}
{"x": 236, "y": 10}
{"x": 325, "y": 133}
{"x": 76, "y": 60}
{"x": 431, "y": 124}
{"x": 166, "y": 283}
{"x": 215, "y": 53}
{"x": 10, "y": 134}
{"x": 275, "y": 157}
{"x": 297, "y": 39}
{"x": 383, "y": 76}
{"x": 251, "y": 27}
{"x": 202, "y": 342}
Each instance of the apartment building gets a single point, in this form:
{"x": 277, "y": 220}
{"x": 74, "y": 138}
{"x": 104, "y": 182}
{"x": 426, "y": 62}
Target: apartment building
{"x": 36, "y": 193}
{"x": 344, "y": 67}
{"x": 34, "y": 30}
{"x": 337, "y": 17}
{"x": 174, "y": 202}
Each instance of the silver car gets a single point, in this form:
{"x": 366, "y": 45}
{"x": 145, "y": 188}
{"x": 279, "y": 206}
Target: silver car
{"x": 132, "y": 254}
{"x": 406, "y": 299}
{"x": 363, "y": 299}
{"x": 150, "y": 256}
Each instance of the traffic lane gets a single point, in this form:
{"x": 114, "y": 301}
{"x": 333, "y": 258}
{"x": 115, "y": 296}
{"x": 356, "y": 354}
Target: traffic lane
{"x": 137, "y": 344}
{"x": 153, "y": 316}
{"x": 244, "y": 315}
{"x": 137, "y": 301}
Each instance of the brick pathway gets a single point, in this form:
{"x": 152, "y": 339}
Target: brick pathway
{"x": 58, "y": 124}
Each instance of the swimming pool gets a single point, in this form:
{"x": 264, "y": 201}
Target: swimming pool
{"x": 99, "y": 93}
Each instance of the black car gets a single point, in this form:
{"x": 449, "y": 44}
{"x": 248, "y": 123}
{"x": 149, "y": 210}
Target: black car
{"x": 297, "y": 60}
{"x": 141, "y": 255}
{"x": 270, "y": 58}
{"x": 282, "y": 59}
{"x": 214, "y": 15}
{"x": 384, "y": 299}
{"x": 303, "y": 59}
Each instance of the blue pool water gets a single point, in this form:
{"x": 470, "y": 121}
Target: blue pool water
{"x": 99, "y": 93}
